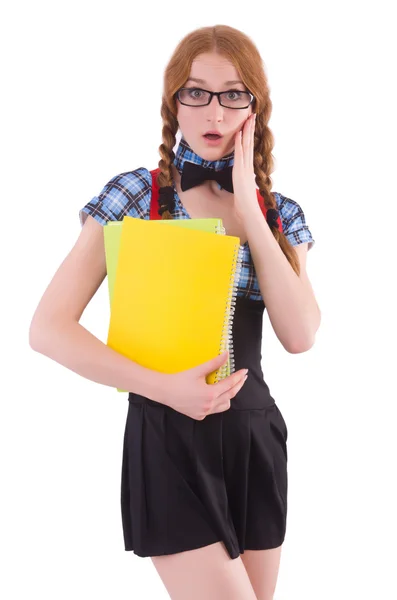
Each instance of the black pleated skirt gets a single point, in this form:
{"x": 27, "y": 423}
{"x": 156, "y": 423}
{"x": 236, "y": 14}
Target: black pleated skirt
{"x": 187, "y": 483}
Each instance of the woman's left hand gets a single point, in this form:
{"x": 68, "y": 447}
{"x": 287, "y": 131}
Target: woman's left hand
{"x": 244, "y": 186}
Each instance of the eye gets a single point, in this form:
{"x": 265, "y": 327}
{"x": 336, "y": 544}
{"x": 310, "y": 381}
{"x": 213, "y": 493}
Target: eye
{"x": 193, "y": 91}
{"x": 236, "y": 92}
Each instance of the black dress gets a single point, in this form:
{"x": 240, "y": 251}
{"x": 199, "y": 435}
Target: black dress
{"x": 187, "y": 483}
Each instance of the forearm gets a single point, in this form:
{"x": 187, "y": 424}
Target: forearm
{"x": 290, "y": 304}
{"x": 74, "y": 347}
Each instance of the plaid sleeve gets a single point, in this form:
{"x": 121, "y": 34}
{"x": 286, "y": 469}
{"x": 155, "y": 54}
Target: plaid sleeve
{"x": 128, "y": 193}
{"x": 293, "y": 220}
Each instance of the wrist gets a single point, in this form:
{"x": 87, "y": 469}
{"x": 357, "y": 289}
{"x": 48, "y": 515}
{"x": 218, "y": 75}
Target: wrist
{"x": 158, "y": 383}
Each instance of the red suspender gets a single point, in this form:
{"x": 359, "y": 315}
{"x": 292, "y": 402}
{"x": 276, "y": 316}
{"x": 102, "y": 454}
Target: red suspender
{"x": 154, "y": 204}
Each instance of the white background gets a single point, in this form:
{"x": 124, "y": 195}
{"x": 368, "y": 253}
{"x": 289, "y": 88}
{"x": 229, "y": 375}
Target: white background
{"x": 80, "y": 104}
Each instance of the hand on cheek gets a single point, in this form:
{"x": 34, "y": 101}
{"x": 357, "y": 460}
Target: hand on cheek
{"x": 243, "y": 169}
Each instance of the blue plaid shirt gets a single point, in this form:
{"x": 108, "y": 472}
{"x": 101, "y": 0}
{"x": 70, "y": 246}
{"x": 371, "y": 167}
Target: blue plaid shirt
{"x": 129, "y": 194}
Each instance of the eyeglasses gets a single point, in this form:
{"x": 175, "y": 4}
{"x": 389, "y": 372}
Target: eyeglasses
{"x": 229, "y": 99}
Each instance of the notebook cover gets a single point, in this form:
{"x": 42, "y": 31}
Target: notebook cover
{"x": 112, "y": 233}
{"x": 187, "y": 274}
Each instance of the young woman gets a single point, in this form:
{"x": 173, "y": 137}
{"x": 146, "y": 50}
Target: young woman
{"x": 204, "y": 471}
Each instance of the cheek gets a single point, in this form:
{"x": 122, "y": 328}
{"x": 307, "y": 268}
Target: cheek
{"x": 242, "y": 121}
{"x": 185, "y": 122}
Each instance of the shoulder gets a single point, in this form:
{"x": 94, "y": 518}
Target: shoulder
{"x": 293, "y": 220}
{"x": 126, "y": 193}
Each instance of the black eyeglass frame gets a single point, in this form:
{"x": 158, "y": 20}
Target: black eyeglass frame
{"x": 215, "y": 94}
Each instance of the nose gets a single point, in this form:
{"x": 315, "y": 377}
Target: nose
{"x": 214, "y": 109}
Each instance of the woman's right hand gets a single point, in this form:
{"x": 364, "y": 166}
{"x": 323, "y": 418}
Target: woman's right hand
{"x": 188, "y": 392}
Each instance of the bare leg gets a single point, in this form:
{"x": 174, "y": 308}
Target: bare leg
{"x": 262, "y": 567}
{"x": 205, "y": 573}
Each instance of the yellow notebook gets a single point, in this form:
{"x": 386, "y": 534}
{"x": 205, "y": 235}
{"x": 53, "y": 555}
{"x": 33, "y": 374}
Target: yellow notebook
{"x": 174, "y": 294}
{"x": 112, "y": 233}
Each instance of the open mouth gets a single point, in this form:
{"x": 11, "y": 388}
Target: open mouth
{"x": 212, "y": 136}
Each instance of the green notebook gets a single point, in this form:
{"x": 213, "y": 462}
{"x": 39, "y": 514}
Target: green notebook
{"x": 112, "y": 236}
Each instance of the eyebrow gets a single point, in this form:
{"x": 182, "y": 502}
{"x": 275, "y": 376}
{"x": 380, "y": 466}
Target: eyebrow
{"x": 197, "y": 80}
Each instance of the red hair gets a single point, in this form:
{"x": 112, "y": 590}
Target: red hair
{"x": 238, "y": 48}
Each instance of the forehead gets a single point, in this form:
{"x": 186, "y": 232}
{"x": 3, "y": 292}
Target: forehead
{"x": 212, "y": 69}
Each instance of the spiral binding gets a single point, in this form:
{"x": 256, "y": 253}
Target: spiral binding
{"x": 227, "y": 335}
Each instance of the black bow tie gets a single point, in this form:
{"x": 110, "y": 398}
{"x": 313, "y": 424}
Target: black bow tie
{"x": 193, "y": 175}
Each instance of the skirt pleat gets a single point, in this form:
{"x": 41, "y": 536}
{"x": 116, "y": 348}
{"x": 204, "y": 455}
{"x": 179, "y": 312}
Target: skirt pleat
{"x": 186, "y": 484}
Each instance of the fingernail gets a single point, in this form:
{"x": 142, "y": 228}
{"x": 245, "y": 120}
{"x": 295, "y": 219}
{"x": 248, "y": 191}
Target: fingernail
{"x": 245, "y": 371}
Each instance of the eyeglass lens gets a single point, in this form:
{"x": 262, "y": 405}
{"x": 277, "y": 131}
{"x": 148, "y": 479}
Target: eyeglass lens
{"x": 230, "y": 99}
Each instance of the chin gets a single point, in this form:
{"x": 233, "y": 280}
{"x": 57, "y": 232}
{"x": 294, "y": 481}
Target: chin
{"x": 215, "y": 152}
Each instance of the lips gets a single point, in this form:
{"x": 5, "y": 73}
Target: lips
{"x": 213, "y": 134}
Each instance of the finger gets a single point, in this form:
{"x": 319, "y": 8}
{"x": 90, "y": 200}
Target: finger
{"x": 246, "y": 141}
{"x": 229, "y": 394}
{"x": 237, "y": 147}
{"x": 248, "y": 150}
{"x": 225, "y": 385}
{"x": 252, "y": 140}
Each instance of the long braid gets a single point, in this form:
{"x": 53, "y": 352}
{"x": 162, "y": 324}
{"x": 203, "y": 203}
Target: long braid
{"x": 263, "y": 164}
{"x": 165, "y": 178}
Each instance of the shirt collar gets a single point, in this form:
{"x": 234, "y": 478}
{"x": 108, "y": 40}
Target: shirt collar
{"x": 186, "y": 153}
